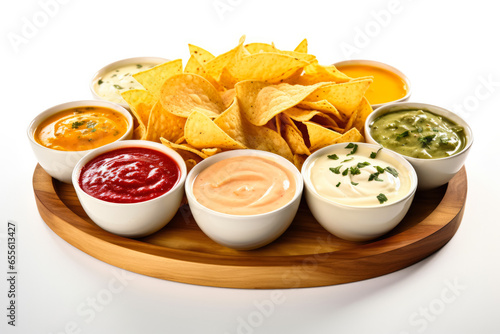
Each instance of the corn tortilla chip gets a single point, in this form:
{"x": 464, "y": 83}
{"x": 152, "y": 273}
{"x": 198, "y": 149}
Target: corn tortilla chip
{"x": 186, "y": 93}
{"x": 201, "y": 132}
{"x": 164, "y": 124}
{"x": 241, "y": 130}
{"x": 260, "y": 101}
{"x": 153, "y": 78}
{"x": 344, "y": 96}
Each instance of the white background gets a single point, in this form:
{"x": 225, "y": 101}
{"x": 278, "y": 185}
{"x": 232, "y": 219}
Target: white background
{"x": 450, "y": 51}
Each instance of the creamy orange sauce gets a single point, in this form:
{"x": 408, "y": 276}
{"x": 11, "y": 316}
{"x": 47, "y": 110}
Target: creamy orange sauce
{"x": 244, "y": 185}
{"x": 81, "y": 128}
{"x": 386, "y": 86}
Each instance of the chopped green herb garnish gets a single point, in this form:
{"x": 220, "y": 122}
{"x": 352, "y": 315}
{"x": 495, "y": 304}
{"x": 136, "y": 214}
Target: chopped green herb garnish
{"x": 375, "y": 177}
{"x": 373, "y": 155}
{"x": 354, "y": 183}
{"x": 100, "y": 82}
{"x": 335, "y": 170}
{"x": 345, "y": 172}
{"x": 91, "y": 124}
{"x": 363, "y": 164}
{"x": 354, "y": 148}
{"x": 381, "y": 198}
{"x": 403, "y": 134}
{"x": 333, "y": 156}
{"x": 346, "y": 160}
{"x": 379, "y": 169}
{"x": 77, "y": 124}
{"x": 355, "y": 170}
{"x": 139, "y": 66}
{"x": 426, "y": 140}
{"x": 392, "y": 171}
{"x": 338, "y": 184}
{"x": 118, "y": 86}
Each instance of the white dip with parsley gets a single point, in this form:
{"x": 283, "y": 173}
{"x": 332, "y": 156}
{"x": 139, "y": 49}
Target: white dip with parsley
{"x": 358, "y": 176}
{"x": 120, "y": 79}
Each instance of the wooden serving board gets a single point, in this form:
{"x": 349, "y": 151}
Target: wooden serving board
{"x": 306, "y": 255}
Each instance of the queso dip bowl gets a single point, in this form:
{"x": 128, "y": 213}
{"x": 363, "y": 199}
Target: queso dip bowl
{"x": 60, "y": 164}
{"x": 243, "y": 232}
{"x": 386, "y": 80}
{"x": 432, "y": 173}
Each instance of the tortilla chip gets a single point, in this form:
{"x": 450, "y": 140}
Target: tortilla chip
{"x": 302, "y": 47}
{"x": 186, "y": 93}
{"x": 260, "y": 101}
{"x": 320, "y": 136}
{"x": 201, "y": 132}
{"x": 140, "y": 102}
{"x": 260, "y": 47}
{"x": 344, "y": 96}
{"x": 202, "y": 56}
{"x": 322, "y": 105}
{"x": 164, "y": 124}
{"x": 298, "y": 160}
{"x": 364, "y": 109}
{"x": 315, "y": 73}
{"x": 215, "y": 66}
{"x": 241, "y": 130}
{"x": 186, "y": 151}
{"x": 194, "y": 67}
{"x": 153, "y": 78}
{"x": 266, "y": 66}
{"x": 295, "y": 141}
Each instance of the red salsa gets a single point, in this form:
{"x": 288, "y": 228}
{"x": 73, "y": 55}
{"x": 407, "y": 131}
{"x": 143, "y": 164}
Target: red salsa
{"x": 129, "y": 175}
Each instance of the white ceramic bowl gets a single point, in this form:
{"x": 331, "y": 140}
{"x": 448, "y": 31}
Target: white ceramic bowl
{"x": 60, "y": 164}
{"x": 243, "y": 232}
{"x": 432, "y": 173}
{"x": 123, "y": 62}
{"x": 382, "y": 66}
{"x": 132, "y": 219}
{"x": 358, "y": 223}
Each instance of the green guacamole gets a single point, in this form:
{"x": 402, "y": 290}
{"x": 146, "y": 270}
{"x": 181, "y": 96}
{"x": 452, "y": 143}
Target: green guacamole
{"x": 418, "y": 134}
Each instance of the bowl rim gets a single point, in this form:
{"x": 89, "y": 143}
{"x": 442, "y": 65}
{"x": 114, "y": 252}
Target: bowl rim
{"x": 139, "y": 143}
{"x": 399, "y": 106}
{"x": 196, "y": 170}
{"x": 384, "y": 66}
{"x": 35, "y": 122}
{"x": 118, "y": 63}
{"x": 308, "y": 183}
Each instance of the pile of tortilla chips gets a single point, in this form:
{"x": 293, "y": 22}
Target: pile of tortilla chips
{"x": 254, "y": 96}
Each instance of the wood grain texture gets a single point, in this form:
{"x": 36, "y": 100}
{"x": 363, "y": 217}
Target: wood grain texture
{"x": 306, "y": 255}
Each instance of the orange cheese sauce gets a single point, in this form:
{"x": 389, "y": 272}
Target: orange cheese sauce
{"x": 245, "y": 185}
{"x": 386, "y": 86}
{"x": 81, "y": 128}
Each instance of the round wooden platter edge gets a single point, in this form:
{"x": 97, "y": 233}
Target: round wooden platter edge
{"x": 370, "y": 260}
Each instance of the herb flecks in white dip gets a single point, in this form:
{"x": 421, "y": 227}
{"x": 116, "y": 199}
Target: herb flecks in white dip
{"x": 359, "y": 177}
{"x": 118, "y": 80}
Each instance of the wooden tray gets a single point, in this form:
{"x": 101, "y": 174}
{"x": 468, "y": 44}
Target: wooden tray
{"x": 306, "y": 255}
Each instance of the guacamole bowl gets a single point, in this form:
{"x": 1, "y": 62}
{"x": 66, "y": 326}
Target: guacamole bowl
{"x": 432, "y": 172}
{"x": 60, "y": 163}
{"x": 255, "y": 228}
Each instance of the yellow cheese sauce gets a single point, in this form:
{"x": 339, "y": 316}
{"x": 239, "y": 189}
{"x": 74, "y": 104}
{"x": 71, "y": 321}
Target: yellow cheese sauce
{"x": 386, "y": 86}
{"x": 81, "y": 128}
